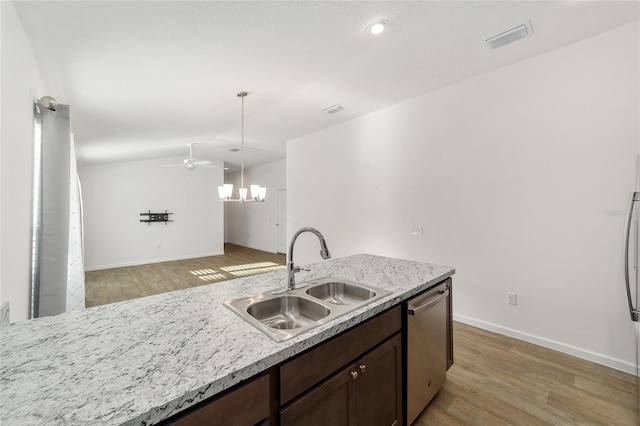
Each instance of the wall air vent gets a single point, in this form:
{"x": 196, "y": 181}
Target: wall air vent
{"x": 332, "y": 109}
{"x": 234, "y": 150}
{"x": 509, "y": 36}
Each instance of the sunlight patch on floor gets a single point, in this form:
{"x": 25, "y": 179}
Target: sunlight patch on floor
{"x": 212, "y": 277}
{"x": 199, "y": 272}
{"x": 242, "y": 270}
{"x": 245, "y": 266}
{"x": 259, "y": 265}
{"x": 242, "y": 273}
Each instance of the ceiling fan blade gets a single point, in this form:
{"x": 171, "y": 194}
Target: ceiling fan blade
{"x": 172, "y": 165}
{"x": 192, "y": 163}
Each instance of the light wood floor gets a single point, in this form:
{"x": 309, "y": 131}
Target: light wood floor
{"x": 117, "y": 284}
{"x": 498, "y": 380}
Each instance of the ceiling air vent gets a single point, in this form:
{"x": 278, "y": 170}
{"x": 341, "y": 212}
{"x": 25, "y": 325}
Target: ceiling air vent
{"x": 332, "y": 109}
{"x": 509, "y": 36}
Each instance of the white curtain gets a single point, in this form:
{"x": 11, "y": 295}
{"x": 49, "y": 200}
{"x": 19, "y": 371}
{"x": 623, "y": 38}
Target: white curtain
{"x": 75, "y": 271}
{"x": 52, "y": 130}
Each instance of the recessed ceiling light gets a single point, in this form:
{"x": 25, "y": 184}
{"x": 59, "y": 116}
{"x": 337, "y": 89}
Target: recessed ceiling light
{"x": 377, "y": 27}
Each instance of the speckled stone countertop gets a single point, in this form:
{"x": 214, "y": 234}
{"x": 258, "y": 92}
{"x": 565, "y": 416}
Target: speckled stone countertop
{"x": 141, "y": 361}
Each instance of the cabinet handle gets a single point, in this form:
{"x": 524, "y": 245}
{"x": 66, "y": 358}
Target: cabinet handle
{"x": 354, "y": 375}
{"x": 362, "y": 368}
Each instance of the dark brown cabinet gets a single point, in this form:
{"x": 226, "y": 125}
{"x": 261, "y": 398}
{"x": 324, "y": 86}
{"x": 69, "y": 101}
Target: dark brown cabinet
{"x": 367, "y": 392}
{"x": 379, "y": 385}
{"x": 331, "y": 403}
{"x": 248, "y": 404}
{"x": 312, "y": 367}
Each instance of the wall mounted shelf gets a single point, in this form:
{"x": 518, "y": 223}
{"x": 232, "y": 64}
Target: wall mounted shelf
{"x": 156, "y": 217}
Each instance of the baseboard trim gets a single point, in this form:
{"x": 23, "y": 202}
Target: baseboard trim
{"x": 598, "y": 358}
{"x": 149, "y": 261}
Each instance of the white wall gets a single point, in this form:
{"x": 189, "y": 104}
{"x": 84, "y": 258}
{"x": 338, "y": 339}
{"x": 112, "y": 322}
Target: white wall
{"x": 21, "y": 83}
{"x": 114, "y": 195}
{"x": 518, "y": 177}
{"x": 254, "y": 224}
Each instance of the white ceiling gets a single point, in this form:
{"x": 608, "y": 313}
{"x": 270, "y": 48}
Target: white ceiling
{"x": 144, "y": 78}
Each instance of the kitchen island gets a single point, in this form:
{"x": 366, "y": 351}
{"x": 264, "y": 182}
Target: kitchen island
{"x": 143, "y": 361}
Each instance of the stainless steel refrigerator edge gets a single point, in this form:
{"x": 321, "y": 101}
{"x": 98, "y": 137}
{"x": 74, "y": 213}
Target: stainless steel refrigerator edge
{"x": 631, "y": 237}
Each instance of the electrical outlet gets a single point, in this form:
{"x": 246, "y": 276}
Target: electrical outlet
{"x": 417, "y": 230}
{"x": 511, "y": 299}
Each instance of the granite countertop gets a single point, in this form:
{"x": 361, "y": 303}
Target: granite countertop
{"x": 141, "y": 361}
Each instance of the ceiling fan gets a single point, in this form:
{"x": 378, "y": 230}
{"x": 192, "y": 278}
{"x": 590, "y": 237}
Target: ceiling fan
{"x": 191, "y": 163}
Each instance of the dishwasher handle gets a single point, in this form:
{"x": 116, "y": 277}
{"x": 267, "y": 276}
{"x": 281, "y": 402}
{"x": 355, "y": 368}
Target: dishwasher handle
{"x": 414, "y": 310}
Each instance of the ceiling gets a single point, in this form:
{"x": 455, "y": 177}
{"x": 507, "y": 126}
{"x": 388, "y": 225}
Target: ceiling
{"x": 144, "y": 78}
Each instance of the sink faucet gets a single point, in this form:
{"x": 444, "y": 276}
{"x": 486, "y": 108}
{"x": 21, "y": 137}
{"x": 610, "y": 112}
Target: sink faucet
{"x": 291, "y": 268}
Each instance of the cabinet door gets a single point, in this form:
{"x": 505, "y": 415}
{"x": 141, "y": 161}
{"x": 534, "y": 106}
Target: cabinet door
{"x": 331, "y": 403}
{"x": 245, "y": 405}
{"x": 379, "y": 393}
{"x": 311, "y": 368}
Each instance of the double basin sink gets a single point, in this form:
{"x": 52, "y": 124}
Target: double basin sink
{"x": 283, "y": 316}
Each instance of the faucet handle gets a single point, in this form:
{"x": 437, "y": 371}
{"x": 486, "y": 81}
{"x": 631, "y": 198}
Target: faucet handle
{"x": 298, "y": 269}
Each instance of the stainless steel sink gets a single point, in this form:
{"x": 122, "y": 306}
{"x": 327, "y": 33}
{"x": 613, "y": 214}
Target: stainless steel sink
{"x": 287, "y": 312}
{"x": 341, "y": 293}
{"x": 314, "y": 303}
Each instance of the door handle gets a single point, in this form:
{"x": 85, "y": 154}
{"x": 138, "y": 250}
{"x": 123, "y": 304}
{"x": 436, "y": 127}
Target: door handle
{"x": 634, "y": 312}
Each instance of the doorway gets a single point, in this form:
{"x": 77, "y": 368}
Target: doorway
{"x": 281, "y": 221}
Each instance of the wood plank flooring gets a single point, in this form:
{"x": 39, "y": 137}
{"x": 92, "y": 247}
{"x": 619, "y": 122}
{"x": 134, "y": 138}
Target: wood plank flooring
{"x": 118, "y": 284}
{"x": 498, "y": 380}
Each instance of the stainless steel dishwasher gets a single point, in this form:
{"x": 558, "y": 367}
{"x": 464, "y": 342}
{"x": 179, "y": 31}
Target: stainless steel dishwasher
{"x": 426, "y": 348}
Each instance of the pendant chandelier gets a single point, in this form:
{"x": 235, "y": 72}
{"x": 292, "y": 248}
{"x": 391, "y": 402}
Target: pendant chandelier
{"x": 226, "y": 191}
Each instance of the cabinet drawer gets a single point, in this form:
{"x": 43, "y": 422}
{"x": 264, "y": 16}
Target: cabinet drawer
{"x": 310, "y": 368}
{"x": 331, "y": 403}
{"x": 245, "y": 405}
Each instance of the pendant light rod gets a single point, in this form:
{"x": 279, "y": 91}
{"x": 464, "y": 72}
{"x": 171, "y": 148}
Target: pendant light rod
{"x": 242, "y": 95}
{"x": 257, "y": 192}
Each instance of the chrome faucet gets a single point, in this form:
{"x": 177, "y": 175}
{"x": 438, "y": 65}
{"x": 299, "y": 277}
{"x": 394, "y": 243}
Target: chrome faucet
{"x": 291, "y": 268}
